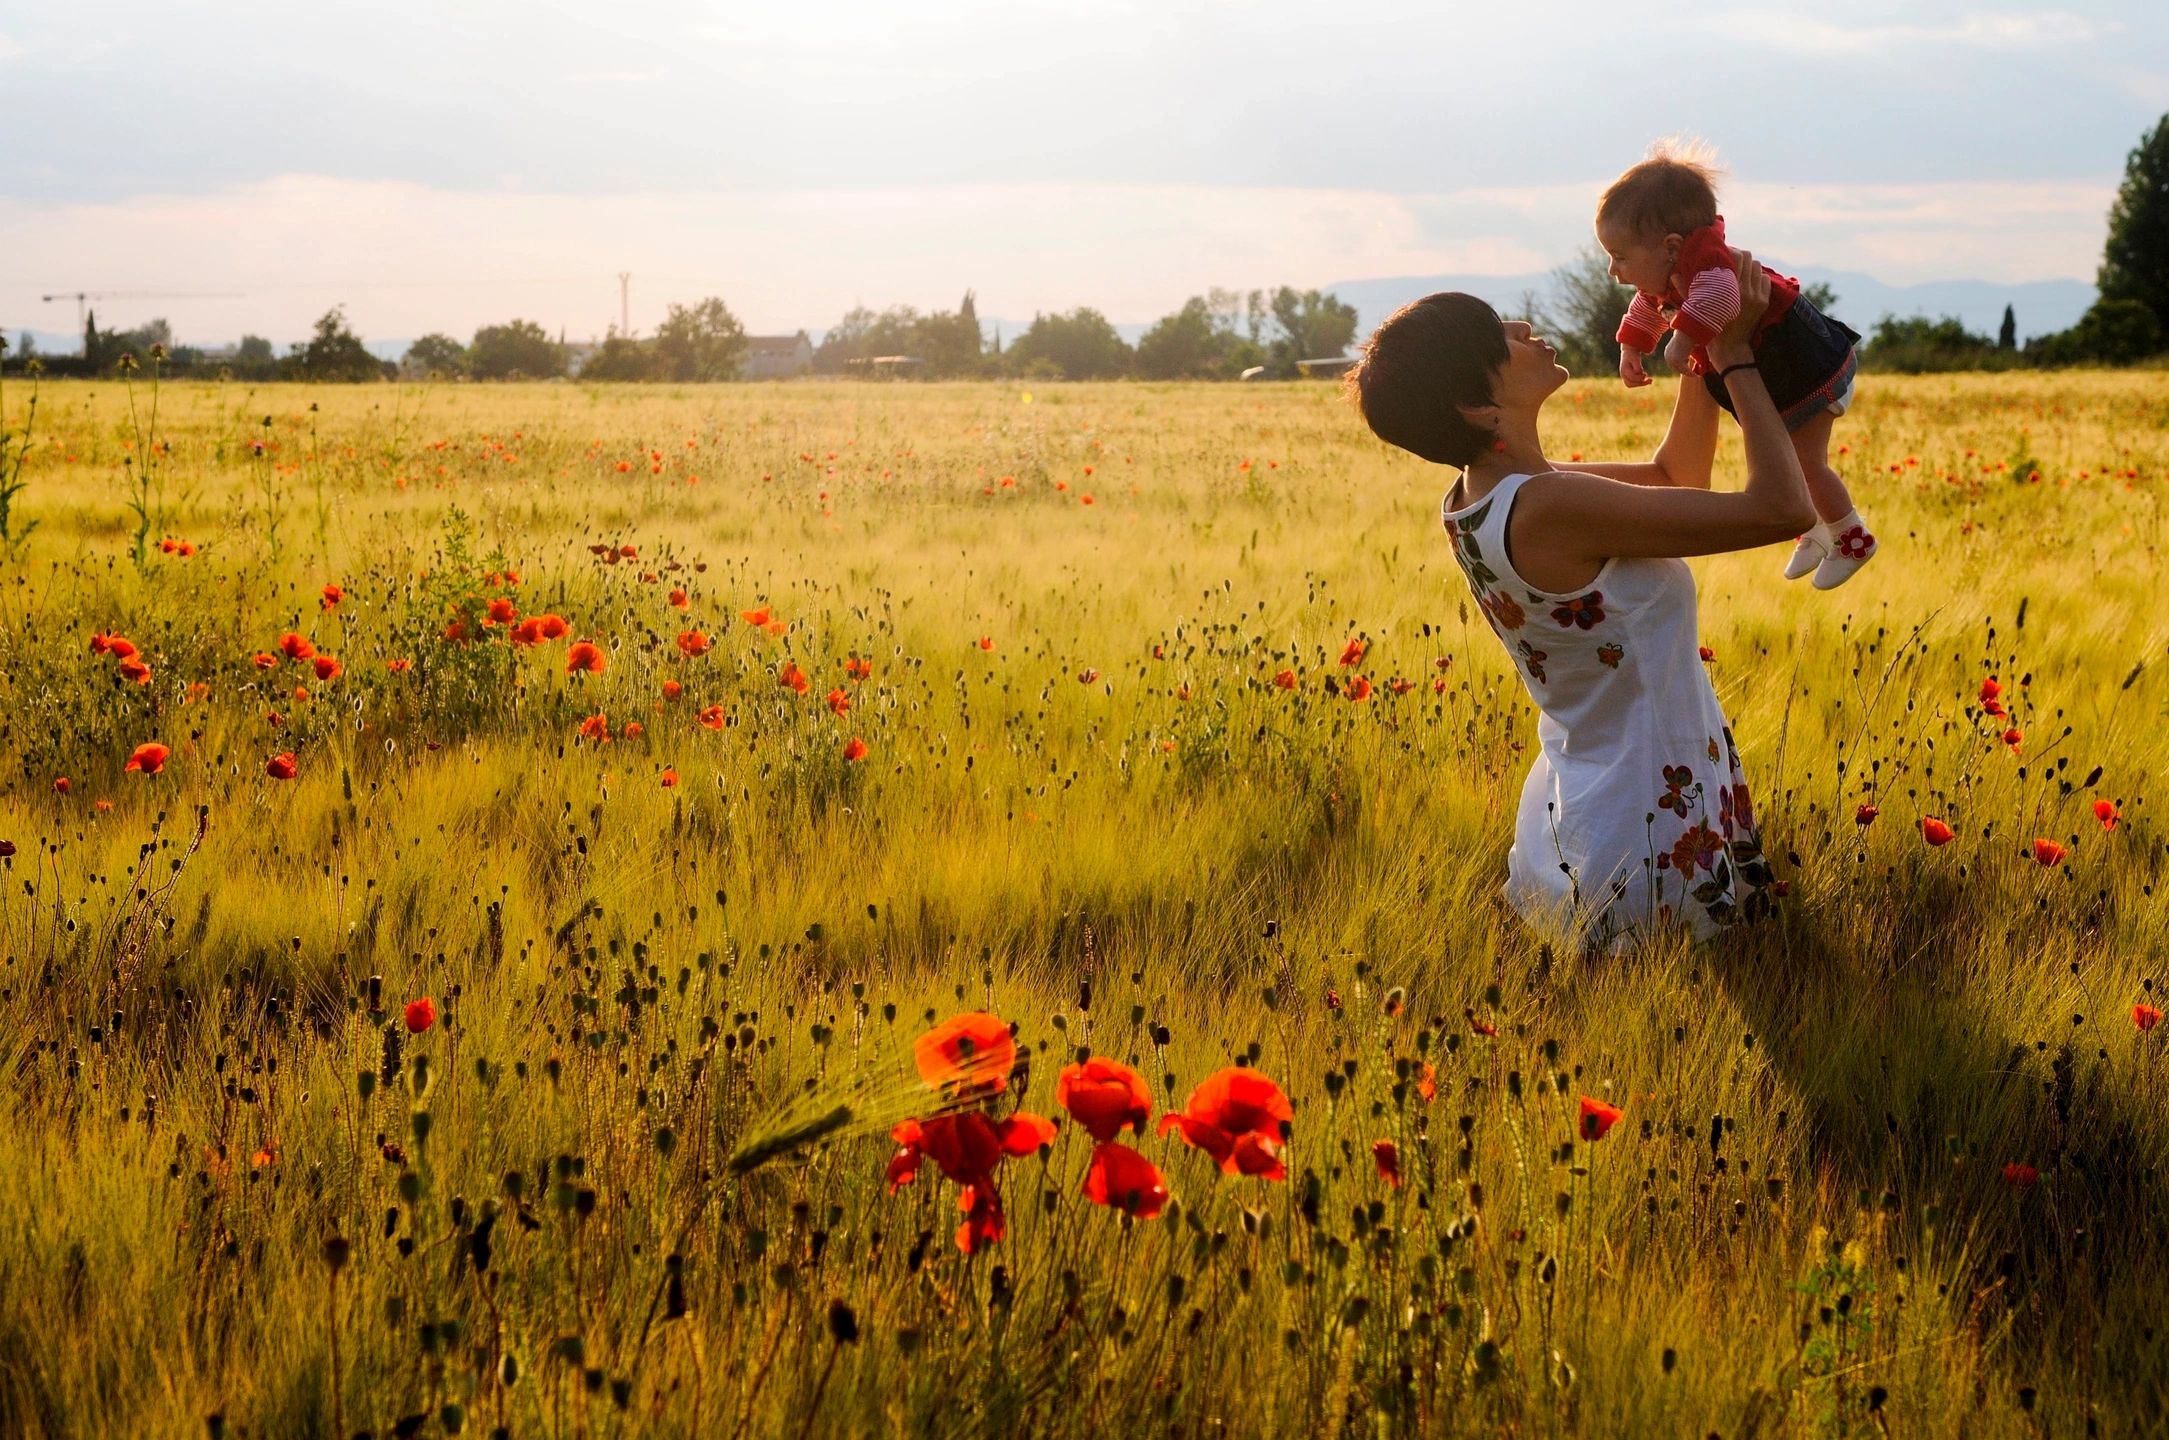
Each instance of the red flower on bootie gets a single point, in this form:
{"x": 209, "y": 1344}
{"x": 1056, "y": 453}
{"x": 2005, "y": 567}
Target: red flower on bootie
{"x": 1856, "y": 543}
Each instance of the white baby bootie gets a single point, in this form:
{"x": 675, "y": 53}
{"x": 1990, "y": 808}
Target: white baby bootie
{"x": 1852, "y": 545}
{"x": 1809, "y": 550}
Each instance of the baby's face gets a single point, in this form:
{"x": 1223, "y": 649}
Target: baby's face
{"x": 1643, "y": 261}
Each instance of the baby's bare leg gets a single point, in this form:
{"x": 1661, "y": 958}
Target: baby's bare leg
{"x": 1811, "y": 442}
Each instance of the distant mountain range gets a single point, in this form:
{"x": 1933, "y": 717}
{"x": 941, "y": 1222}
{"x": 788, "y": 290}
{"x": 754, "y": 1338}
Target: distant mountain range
{"x": 2040, "y": 306}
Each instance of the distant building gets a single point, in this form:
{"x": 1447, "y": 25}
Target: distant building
{"x": 578, "y": 353}
{"x": 888, "y": 366}
{"x": 777, "y": 357}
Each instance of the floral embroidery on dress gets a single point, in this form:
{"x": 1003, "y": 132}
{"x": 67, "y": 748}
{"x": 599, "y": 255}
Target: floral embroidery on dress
{"x": 1610, "y": 653}
{"x": 1503, "y": 609}
{"x": 1714, "y": 754}
{"x": 1698, "y": 848}
{"x": 1586, "y": 611}
{"x": 1534, "y": 659}
{"x": 1676, "y": 780}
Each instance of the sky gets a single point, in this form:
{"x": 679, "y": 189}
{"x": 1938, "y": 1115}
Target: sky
{"x": 242, "y": 167}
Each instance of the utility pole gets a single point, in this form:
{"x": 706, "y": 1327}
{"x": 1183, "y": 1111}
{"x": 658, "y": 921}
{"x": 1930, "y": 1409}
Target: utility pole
{"x": 625, "y": 303}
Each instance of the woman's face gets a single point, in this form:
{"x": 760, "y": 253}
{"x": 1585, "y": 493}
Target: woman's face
{"x": 1532, "y": 369}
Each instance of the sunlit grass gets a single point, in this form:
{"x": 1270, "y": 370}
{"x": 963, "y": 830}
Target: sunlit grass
{"x": 1113, "y": 829}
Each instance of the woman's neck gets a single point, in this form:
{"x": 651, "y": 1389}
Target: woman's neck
{"x": 1518, "y": 451}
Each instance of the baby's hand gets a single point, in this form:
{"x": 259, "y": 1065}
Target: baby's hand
{"x": 1678, "y": 351}
{"x": 1631, "y": 373}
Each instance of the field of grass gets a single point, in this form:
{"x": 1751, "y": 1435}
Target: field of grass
{"x": 1890, "y": 1163}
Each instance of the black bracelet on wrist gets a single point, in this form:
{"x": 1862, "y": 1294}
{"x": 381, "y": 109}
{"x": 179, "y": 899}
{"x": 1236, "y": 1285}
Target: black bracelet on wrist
{"x": 1743, "y": 365}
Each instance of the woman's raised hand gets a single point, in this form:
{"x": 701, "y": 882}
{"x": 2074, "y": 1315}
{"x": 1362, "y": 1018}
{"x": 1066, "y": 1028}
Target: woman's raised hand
{"x": 1731, "y": 343}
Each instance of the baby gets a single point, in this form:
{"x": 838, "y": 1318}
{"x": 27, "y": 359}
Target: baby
{"x": 1659, "y": 225}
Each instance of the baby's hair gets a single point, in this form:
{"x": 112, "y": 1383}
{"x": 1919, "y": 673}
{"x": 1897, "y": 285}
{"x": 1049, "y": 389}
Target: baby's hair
{"x": 1673, "y": 190}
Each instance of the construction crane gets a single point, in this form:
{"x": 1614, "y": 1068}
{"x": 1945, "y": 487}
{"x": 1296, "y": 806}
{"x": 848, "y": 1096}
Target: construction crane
{"x": 82, "y": 298}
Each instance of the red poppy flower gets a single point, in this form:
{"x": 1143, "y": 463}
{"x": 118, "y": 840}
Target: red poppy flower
{"x": 149, "y": 759}
{"x": 712, "y": 717}
{"x": 585, "y": 658}
{"x": 1285, "y": 679}
{"x": 2048, "y": 853}
{"x": 633, "y": 730}
{"x": 134, "y": 669}
{"x": 420, "y": 1015}
{"x": 838, "y": 701}
{"x": 1597, "y": 1118}
{"x": 2146, "y": 1017}
{"x": 672, "y": 689}
{"x": 281, "y": 766}
{"x": 327, "y": 668}
{"x": 120, "y": 648}
{"x": 2106, "y": 812}
{"x": 986, "y": 642}
{"x": 1236, "y": 1116}
{"x": 1352, "y": 653}
{"x": 527, "y": 632}
{"x": 854, "y": 749}
{"x": 295, "y": 647}
{"x": 1104, "y": 1096}
{"x": 776, "y": 627}
{"x": 1387, "y": 1156}
{"x": 100, "y": 642}
{"x": 553, "y": 627}
{"x": 972, "y": 1052}
{"x": 670, "y": 779}
{"x": 679, "y": 601}
{"x": 2020, "y": 1176}
{"x": 263, "y": 661}
{"x": 503, "y": 611}
{"x": 332, "y": 596}
{"x": 790, "y": 677}
{"x": 1359, "y": 688}
{"x": 1934, "y": 831}
{"x": 60, "y": 784}
{"x": 1127, "y": 1181}
{"x": 399, "y": 666}
{"x": 692, "y": 643}
{"x": 595, "y": 728}
{"x": 858, "y": 669}
{"x": 1707, "y": 653}
{"x": 758, "y": 618}
{"x": 1427, "y": 1083}
{"x": 2013, "y": 736}
{"x": 1865, "y": 815}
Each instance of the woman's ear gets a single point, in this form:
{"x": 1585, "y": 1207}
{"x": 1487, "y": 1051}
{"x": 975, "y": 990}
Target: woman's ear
{"x": 1483, "y": 417}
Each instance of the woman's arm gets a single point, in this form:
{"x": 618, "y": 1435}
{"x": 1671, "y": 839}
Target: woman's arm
{"x": 1591, "y": 517}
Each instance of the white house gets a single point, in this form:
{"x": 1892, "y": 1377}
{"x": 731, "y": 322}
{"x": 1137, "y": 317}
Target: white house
{"x": 777, "y": 357}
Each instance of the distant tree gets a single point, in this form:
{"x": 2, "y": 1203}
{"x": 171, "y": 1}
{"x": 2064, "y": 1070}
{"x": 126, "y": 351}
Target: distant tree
{"x": 334, "y": 352}
{"x": 518, "y": 349}
{"x": 1821, "y": 295}
{"x": 705, "y": 342}
{"x": 436, "y": 354}
{"x": 1078, "y": 346}
{"x": 1582, "y": 314}
{"x": 1917, "y": 343}
{"x": 2007, "y": 336}
{"x": 2112, "y": 332}
{"x": 1185, "y": 345}
{"x": 2135, "y": 260}
{"x": 619, "y": 358}
{"x": 951, "y": 344}
{"x": 254, "y": 352}
{"x": 1312, "y": 326}
{"x": 844, "y": 341}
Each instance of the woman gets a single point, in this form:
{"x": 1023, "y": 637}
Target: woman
{"x": 1634, "y": 813}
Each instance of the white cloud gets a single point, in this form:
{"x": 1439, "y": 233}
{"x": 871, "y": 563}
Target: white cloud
{"x": 408, "y": 258}
{"x": 9, "y": 47}
{"x": 2017, "y": 31}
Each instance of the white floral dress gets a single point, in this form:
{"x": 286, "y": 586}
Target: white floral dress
{"x": 1634, "y": 810}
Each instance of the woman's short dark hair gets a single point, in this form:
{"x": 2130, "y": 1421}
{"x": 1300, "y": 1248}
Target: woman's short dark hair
{"x": 1430, "y": 357}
